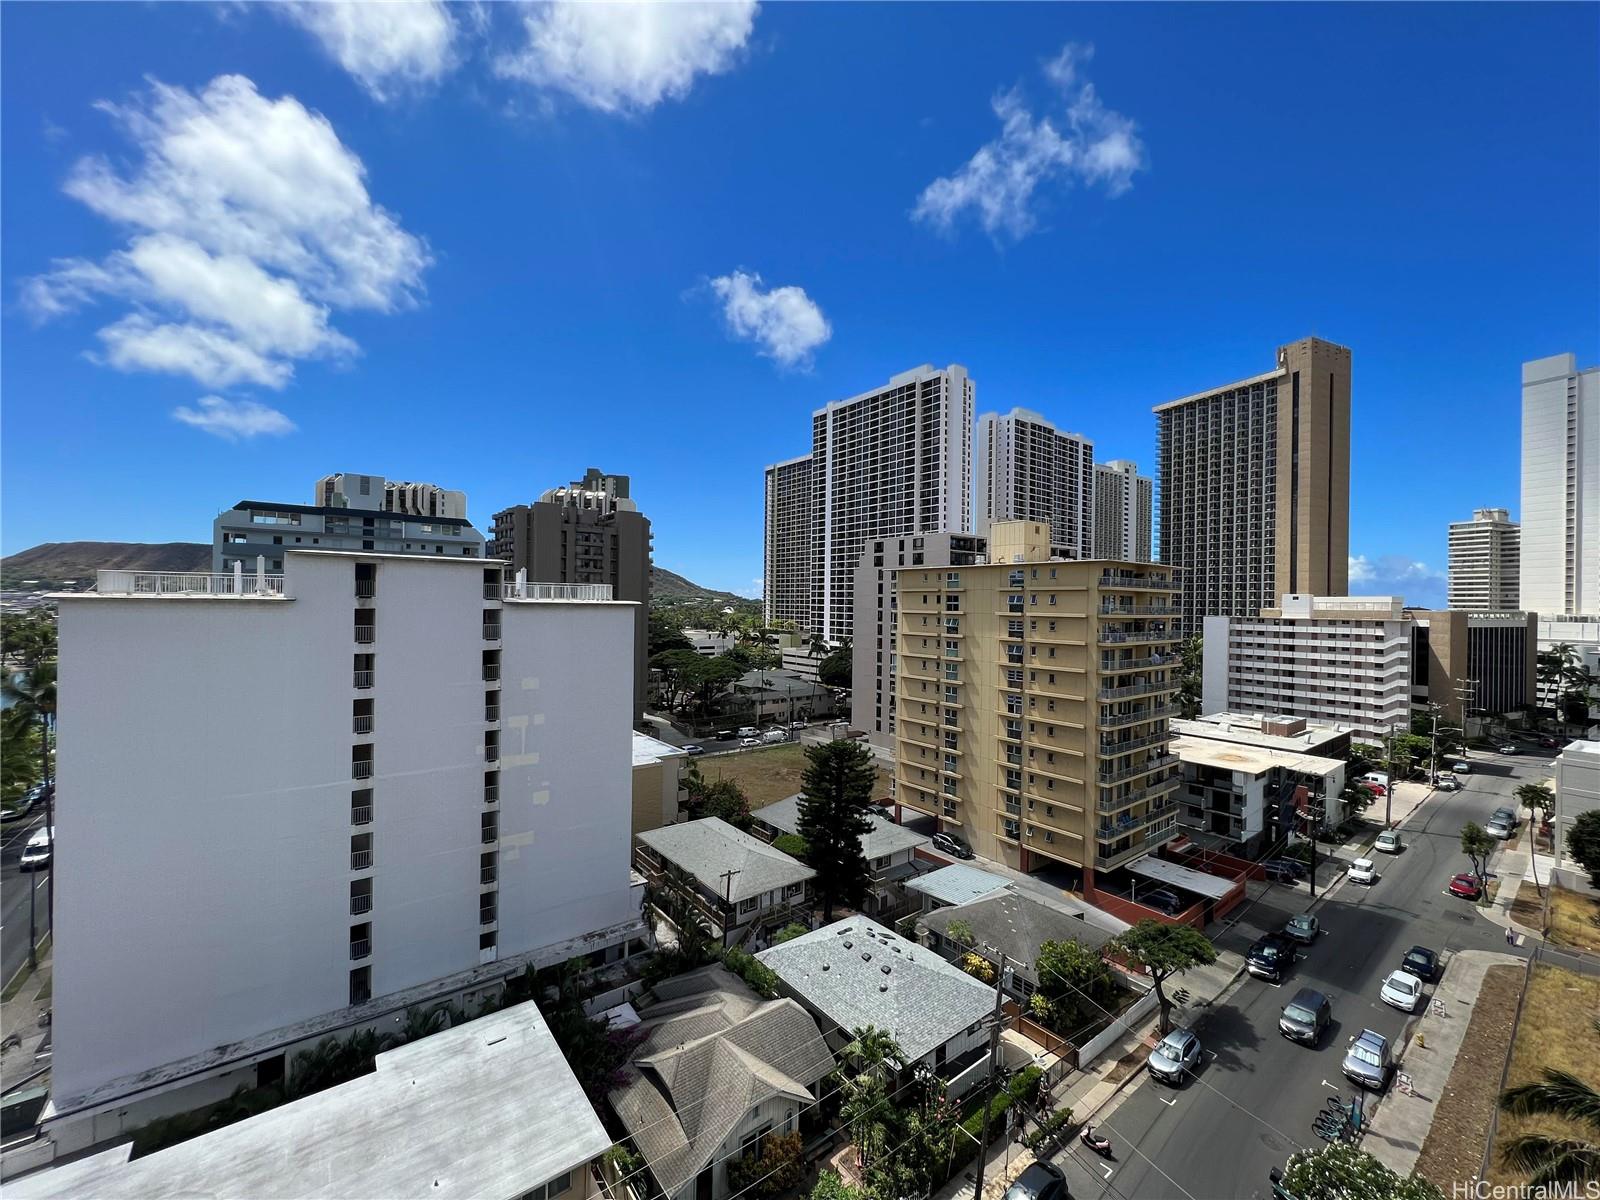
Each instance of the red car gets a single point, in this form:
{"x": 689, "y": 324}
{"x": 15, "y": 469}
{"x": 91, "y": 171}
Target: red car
{"x": 1377, "y": 789}
{"x": 1466, "y": 886}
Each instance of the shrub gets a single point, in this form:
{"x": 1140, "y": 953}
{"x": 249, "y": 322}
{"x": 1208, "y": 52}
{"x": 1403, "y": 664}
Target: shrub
{"x": 792, "y": 844}
{"x": 761, "y": 978}
{"x": 789, "y": 932}
{"x": 1048, "y": 1129}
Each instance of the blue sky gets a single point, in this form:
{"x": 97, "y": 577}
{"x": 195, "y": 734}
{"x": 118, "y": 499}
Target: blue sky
{"x": 490, "y": 246}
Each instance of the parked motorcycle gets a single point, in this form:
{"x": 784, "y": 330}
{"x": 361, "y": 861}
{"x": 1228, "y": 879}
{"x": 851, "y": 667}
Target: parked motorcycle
{"x": 1099, "y": 1144}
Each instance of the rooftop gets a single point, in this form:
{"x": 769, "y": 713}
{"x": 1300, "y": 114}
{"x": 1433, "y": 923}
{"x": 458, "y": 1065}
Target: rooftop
{"x": 647, "y": 750}
{"x": 489, "y": 1108}
{"x": 1245, "y": 730}
{"x": 710, "y": 847}
{"x": 778, "y": 681}
{"x": 856, "y": 972}
{"x": 957, "y": 884}
{"x": 1253, "y": 760}
{"x": 885, "y": 839}
{"x": 1018, "y": 925}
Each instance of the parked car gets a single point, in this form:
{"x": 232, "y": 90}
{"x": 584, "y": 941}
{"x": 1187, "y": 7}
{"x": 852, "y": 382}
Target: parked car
{"x": 36, "y": 853}
{"x": 1508, "y": 748}
{"x": 1163, "y": 900}
{"x": 1302, "y": 928}
{"x": 724, "y": 735}
{"x": 1447, "y": 783}
{"x": 1041, "y": 1181}
{"x": 1550, "y": 743}
{"x": 1377, "y": 777}
{"x": 797, "y": 724}
{"x": 949, "y": 843}
{"x": 1367, "y": 1061}
{"x": 691, "y": 748}
{"x": 1363, "y": 870}
{"x": 773, "y": 736}
{"x": 1174, "y": 1054}
{"x": 1389, "y": 842}
{"x": 1305, "y": 1017}
{"x": 1283, "y": 870}
{"x": 749, "y": 742}
{"x": 1421, "y": 962}
{"x": 1461, "y": 768}
{"x": 1508, "y": 815}
{"x": 1499, "y": 827}
{"x": 1377, "y": 789}
{"x": 1401, "y": 990}
{"x": 1466, "y": 886}
{"x": 1271, "y": 957}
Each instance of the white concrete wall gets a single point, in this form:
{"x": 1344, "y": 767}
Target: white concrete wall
{"x": 1577, "y": 790}
{"x": 1214, "y": 666}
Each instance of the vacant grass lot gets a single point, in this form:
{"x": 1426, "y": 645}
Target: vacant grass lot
{"x": 1557, "y": 1030}
{"x": 771, "y": 774}
{"x": 1574, "y": 917}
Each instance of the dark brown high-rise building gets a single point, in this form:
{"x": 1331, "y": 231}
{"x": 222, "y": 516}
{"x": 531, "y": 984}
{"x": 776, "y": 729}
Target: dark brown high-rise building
{"x": 589, "y": 531}
{"x": 1254, "y": 483}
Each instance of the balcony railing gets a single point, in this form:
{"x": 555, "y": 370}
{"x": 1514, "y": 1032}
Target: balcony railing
{"x": 360, "y": 948}
{"x": 1138, "y": 610}
{"x": 491, "y": 754}
{"x": 486, "y": 915}
{"x": 487, "y": 875}
{"x": 1111, "y": 830}
{"x": 365, "y": 634}
{"x": 490, "y": 836}
{"x": 360, "y": 860}
{"x": 361, "y": 724}
{"x": 1116, "y": 666}
{"x": 1142, "y": 846}
{"x": 1127, "y": 745}
{"x": 1154, "y": 712}
{"x": 1136, "y": 689}
{"x": 1123, "y": 579}
{"x": 363, "y": 679}
{"x": 491, "y": 793}
{"x": 491, "y": 672}
{"x": 361, "y": 768}
{"x": 366, "y": 589}
{"x": 493, "y": 591}
{"x": 1158, "y": 788}
{"x": 361, "y": 814}
{"x": 491, "y": 631}
{"x": 188, "y": 583}
{"x": 556, "y": 591}
{"x": 1134, "y": 637}
{"x": 360, "y": 904}
{"x": 1154, "y": 763}
{"x": 491, "y": 712}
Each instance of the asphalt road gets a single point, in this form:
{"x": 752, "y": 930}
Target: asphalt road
{"x": 14, "y": 888}
{"x": 1254, "y": 1099}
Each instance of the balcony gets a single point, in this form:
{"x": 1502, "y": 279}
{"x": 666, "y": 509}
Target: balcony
{"x": 491, "y": 793}
{"x": 490, "y": 836}
{"x": 1111, "y": 830}
{"x": 187, "y": 583}
{"x": 493, "y": 591}
{"x": 487, "y": 875}
{"x": 1139, "y": 610}
{"x": 366, "y": 589}
{"x": 1128, "y": 745}
{"x": 360, "y": 904}
{"x": 1116, "y": 666}
{"x": 363, "y": 679}
{"x": 1136, "y": 689}
{"x": 361, "y": 814}
{"x": 486, "y": 915}
{"x": 365, "y": 634}
{"x": 1153, "y": 713}
{"x": 1104, "y": 862}
{"x": 491, "y": 712}
{"x": 491, "y": 754}
{"x": 1141, "y": 582}
{"x": 1135, "y": 637}
{"x": 491, "y": 631}
{"x": 584, "y": 592}
{"x": 361, "y": 948}
{"x": 1159, "y": 788}
{"x": 361, "y": 768}
{"x": 491, "y": 672}
{"x": 360, "y": 860}
{"x": 361, "y": 724}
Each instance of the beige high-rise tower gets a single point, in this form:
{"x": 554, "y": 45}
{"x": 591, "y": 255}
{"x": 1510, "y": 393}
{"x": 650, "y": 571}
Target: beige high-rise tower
{"x": 1483, "y": 561}
{"x": 1032, "y": 701}
{"x": 1255, "y": 485}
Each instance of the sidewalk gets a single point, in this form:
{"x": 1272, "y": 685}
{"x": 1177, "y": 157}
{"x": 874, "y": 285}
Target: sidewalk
{"x": 1401, "y": 1122}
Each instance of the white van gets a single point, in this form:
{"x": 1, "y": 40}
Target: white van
{"x": 773, "y": 736}
{"x": 1376, "y": 777}
{"x": 36, "y": 853}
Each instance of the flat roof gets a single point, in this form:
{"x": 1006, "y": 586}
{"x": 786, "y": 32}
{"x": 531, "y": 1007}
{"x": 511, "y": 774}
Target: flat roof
{"x": 1245, "y": 729}
{"x": 647, "y": 750}
{"x": 1256, "y": 760}
{"x": 319, "y": 510}
{"x": 1277, "y": 373}
{"x": 487, "y": 1109}
{"x": 957, "y": 884}
{"x": 1170, "y": 873}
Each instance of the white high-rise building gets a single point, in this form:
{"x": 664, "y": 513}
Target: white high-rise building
{"x": 1123, "y": 504}
{"x": 1483, "y": 562}
{"x": 1560, "y": 572}
{"x": 306, "y": 802}
{"x": 893, "y": 460}
{"x": 1028, "y": 470}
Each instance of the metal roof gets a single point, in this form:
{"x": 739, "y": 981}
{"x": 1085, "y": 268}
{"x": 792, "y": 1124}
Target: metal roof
{"x": 709, "y": 848}
{"x": 957, "y": 884}
{"x": 1170, "y": 873}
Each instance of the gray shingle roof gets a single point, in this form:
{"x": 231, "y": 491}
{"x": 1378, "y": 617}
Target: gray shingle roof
{"x": 957, "y": 884}
{"x": 710, "y": 1054}
{"x": 885, "y": 839}
{"x": 856, "y": 972}
{"x": 710, "y": 846}
{"x": 1017, "y": 925}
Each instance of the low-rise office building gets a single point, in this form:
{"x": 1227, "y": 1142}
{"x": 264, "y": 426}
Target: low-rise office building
{"x": 743, "y": 887}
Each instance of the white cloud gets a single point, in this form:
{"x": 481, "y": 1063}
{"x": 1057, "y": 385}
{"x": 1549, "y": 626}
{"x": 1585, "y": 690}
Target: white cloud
{"x": 389, "y": 47}
{"x": 234, "y": 419}
{"x": 1397, "y": 575}
{"x": 251, "y": 226}
{"x": 627, "y": 57}
{"x": 998, "y": 184}
{"x": 784, "y": 321}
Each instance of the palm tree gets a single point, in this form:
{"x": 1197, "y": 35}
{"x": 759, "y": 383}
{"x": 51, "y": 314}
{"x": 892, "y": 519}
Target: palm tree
{"x": 872, "y": 1049}
{"x": 32, "y": 694}
{"x": 1537, "y": 799}
{"x": 863, "y": 1113}
{"x": 1553, "y": 1160}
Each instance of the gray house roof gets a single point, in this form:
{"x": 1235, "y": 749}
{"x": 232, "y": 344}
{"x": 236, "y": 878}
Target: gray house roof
{"x": 856, "y": 972}
{"x": 709, "y": 847}
{"x": 885, "y": 839}
{"x": 957, "y": 884}
{"x": 488, "y": 1108}
{"x": 712, "y": 1052}
{"x": 1017, "y": 925}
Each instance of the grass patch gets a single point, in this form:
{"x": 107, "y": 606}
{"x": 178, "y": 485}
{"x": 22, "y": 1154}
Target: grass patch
{"x": 769, "y": 775}
{"x": 1557, "y": 1030}
{"x": 1453, "y": 1149}
{"x": 1574, "y": 919}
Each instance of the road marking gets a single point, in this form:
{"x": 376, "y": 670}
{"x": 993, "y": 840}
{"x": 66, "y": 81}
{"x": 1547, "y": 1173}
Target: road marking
{"x": 41, "y": 883}
{"x": 1107, "y": 1170}
{"x": 1168, "y": 1103}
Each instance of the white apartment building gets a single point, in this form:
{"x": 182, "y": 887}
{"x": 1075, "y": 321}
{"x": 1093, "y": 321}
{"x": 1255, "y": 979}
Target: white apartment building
{"x": 1343, "y": 660}
{"x": 1123, "y": 509}
{"x": 1560, "y": 553}
{"x": 303, "y": 802}
{"x": 1028, "y": 470}
{"x": 1484, "y": 562}
{"x": 1577, "y": 788}
{"x": 893, "y": 460}
{"x": 786, "y": 569}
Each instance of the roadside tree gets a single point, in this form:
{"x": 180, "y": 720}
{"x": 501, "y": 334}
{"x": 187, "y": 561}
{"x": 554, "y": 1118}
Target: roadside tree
{"x": 1583, "y": 843}
{"x": 1477, "y": 845}
{"x": 1164, "y": 950}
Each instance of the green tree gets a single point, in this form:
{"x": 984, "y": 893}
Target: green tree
{"x": 873, "y": 1051}
{"x": 713, "y": 677}
{"x": 1164, "y": 950}
{"x": 1540, "y": 802}
{"x": 835, "y": 791}
{"x": 32, "y": 694}
{"x": 665, "y": 633}
{"x": 977, "y": 966}
{"x": 721, "y": 798}
{"x": 1076, "y": 982}
{"x": 1552, "y": 1160}
{"x": 1340, "y": 1172}
{"x": 1583, "y": 843}
{"x": 1191, "y": 655}
{"x": 19, "y": 759}
{"x": 678, "y": 668}
{"x": 789, "y": 932}
{"x": 830, "y": 1186}
{"x": 960, "y": 932}
{"x": 776, "y": 1170}
{"x": 1477, "y": 845}
{"x": 837, "y": 670}
{"x": 29, "y": 638}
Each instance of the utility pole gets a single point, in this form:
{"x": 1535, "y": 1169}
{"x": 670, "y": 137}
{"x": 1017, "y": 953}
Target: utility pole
{"x": 1388, "y": 792}
{"x": 988, "y": 1088}
{"x": 727, "y": 899}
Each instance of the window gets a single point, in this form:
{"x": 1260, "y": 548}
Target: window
{"x": 556, "y": 1187}
{"x": 749, "y": 906}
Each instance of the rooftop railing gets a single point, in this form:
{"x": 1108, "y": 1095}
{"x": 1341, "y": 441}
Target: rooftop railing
{"x": 187, "y": 583}
{"x": 556, "y": 591}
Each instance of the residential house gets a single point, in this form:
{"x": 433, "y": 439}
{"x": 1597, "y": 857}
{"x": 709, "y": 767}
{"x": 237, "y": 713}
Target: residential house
{"x": 890, "y": 851}
{"x": 742, "y": 886}
{"x": 955, "y": 884}
{"x": 777, "y": 695}
{"x": 718, "y": 1070}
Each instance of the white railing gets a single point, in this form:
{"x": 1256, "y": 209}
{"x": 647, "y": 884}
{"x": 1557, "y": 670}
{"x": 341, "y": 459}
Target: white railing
{"x": 556, "y": 591}
{"x": 187, "y": 583}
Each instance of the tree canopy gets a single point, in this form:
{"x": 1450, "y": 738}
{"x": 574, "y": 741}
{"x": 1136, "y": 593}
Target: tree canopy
{"x": 837, "y": 670}
{"x": 1164, "y": 950}
{"x": 1340, "y": 1172}
{"x": 1077, "y": 985}
{"x": 1583, "y": 843}
{"x": 1477, "y": 845}
{"x": 835, "y": 792}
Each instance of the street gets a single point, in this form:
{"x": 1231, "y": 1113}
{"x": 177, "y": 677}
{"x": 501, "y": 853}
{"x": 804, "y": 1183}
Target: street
{"x": 1254, "y": 1099}
{"x": 15, "y": 886}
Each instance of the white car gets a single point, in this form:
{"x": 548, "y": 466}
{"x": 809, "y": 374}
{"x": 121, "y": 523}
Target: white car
{"x": 1499, "y": 828}
{"x": 1389, "y": 842}
{"x": 1403, "y": 990}
{"x": 1363, "y": 870}
{"x": 748, "y": 742}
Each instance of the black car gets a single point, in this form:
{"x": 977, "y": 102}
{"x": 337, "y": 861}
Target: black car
{"x": 1283, "y": 870}
{"x": 1306, "y": 1016}
{"x": 1271, "y": 957}
{"x": 1421, "y": 962}
{"x": 949, "y": 843}
{"x": 1164, "y": 901}
{"x": 1041, "y": 1181}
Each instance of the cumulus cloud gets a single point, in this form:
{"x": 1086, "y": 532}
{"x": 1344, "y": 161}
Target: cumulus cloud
{"x": 233, "y": 420}
{"x": 627, "y": 57}
{"x": 783, "y": 321}
{"x": 998, "y": 185}
{"x": 1396, "y": 575}
{"x": 250, "y": 225}
{"x": 389, "y": 47}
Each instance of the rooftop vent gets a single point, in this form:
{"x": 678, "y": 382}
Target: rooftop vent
{"x": 883, "y": 987}
{"x": 847, "y": 945}
{"x": 884, "y": 968}
{"x": 866, "y": 956}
